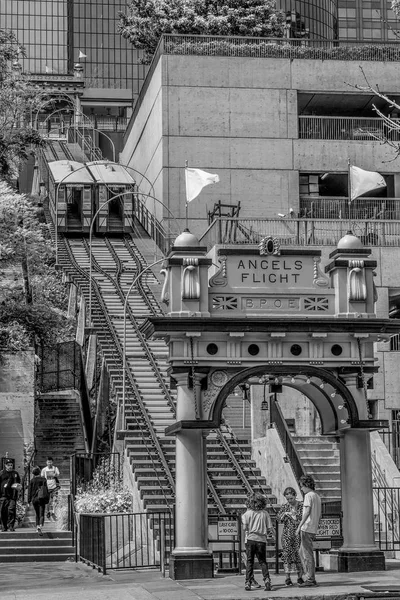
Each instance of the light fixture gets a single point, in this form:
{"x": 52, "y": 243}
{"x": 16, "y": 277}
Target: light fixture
{"x": 343, "y": 421}
{"x": 264, "y": 405}
{"x": 340, "y": 407}
{"x": 276, "y": 381}
{"x": 333, "y": 394}
{"x": 293, "y": 380}
{"x": 322, "y": 386}
{"x": 308, "y": 380}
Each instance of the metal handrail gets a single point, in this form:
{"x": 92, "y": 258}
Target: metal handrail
{"x": 304, "y": 231}
{"x": 243, "y": 457}
{"x": 345, "y": 128}
{"x": 279, "y": 421}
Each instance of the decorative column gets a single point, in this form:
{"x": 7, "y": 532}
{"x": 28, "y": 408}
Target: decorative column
{"x": 190, "y": 558}
{"x": 359, "y": 552}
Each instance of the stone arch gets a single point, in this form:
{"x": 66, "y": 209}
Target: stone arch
{"x": 329, "y": 394}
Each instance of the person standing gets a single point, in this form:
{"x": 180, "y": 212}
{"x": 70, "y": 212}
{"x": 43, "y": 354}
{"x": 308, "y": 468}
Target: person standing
{"x": 257, "y": 526}
{"x": 51, "y": 473}
{"x": 39, "y": 496}
{"x": 10, "y": 484}
{"x": 308, "y": 528}
{"x": 290, "y": 516}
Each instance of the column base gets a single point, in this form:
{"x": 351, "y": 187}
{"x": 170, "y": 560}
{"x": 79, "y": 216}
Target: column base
{"x": 191, "y": 566}
{"x": 348, "y": 561}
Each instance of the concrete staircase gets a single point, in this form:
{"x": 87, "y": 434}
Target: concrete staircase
{"x": 25, "y": 545}
{"x": 59, "y": 431}
{"x": 321, "y": 459}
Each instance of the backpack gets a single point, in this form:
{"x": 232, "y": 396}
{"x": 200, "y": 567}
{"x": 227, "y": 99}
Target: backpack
{"x": 43, "y": 494}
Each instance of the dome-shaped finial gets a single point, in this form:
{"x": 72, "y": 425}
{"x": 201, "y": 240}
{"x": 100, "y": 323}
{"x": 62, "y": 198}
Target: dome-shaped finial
{"x": 350, "y": 242}
{"x": 186, "y": 240}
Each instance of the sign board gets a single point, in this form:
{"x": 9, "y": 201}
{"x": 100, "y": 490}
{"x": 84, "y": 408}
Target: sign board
{"x": 329, "y": 527}
{"x": 271, "y": 272}
{"x": 227, "y": 526}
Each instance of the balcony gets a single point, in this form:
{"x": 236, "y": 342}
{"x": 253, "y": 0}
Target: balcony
{"x": 301, "y": 232}
{"x": 319, "y": 207}
{"x": 345, "y": 128}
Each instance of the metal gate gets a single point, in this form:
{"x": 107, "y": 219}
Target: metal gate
{"x": 125, "y": 541}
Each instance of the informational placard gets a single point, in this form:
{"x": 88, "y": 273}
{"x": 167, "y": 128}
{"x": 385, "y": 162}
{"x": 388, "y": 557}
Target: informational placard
{"x": 227, "y": 527}
{"x": 329, "y": 527}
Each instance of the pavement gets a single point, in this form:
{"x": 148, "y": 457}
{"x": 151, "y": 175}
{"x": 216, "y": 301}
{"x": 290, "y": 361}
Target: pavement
{"x": 77, "y": 581}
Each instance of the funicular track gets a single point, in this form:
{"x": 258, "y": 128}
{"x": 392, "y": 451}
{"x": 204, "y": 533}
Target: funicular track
{"x": 115, "y": 262}
{"x": 150, "y": 405}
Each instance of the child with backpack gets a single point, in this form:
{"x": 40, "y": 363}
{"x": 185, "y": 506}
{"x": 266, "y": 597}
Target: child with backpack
{"x": 39, "y": 496}
{"x": 257, "y": 526}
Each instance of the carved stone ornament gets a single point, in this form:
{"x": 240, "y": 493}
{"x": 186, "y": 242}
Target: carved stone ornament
{"x": 208, "y": 397}
{"x": 219, "y": 378}
{"x": 269, "y": 246}
{"x": 374, "y": 289}
{"x": 165, "y": 291}
{"x": 319, "y": 279}
{"x": 191, "y": 279}
{"x": 357, "y": 287}
{"x": 220, "y": 279}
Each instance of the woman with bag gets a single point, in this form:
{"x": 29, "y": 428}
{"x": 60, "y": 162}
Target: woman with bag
{"x": 39, "y": 496}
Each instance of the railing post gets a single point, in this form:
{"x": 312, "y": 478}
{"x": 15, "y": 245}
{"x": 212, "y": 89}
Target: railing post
{"x": 162, "y": 544}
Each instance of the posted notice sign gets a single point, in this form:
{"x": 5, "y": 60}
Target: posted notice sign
{"x": 227, "y": 526}
{"x": 329, "y": 527}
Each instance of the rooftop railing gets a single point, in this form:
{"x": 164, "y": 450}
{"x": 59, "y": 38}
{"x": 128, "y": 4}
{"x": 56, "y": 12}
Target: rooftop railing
{"x": 301, "y": 232}
{"x": 327, "y": 207}
{"x": 207, "y": 45}
{"x": 345, "y": 128}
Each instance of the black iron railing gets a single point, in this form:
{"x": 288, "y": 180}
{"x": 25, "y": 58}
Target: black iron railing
{"x": 59, "y": 367}
{"x": 386, "y": 511}
{"x": 125, "y": 541}
{"x": 152, "y": 226}
{"x": 391, "y": 439}
{"x": 278, "y": 420}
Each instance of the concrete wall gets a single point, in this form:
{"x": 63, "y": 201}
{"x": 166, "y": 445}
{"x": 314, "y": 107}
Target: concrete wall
{"x": 269, "y": 456}
{"x": 238, "y": 117}
{"x": 144, "y": 149}
{"x": 17, "y": 405}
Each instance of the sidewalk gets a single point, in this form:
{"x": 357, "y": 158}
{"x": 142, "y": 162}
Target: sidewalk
{"x": 70, "y": 581}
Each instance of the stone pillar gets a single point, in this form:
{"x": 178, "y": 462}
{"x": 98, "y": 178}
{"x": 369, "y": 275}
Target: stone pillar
{"x": 359, "y": 552}
{"x": 190, "y": 558}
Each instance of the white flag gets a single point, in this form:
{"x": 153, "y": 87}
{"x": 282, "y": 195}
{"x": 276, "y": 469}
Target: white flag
{"x": 364, "y": 181}
{"x": 196, "y": 179}
{"x": 81, "y": 55}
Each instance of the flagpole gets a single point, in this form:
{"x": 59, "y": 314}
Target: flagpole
{"x": 187, "y": 204}
{"x": 349, "y": 189}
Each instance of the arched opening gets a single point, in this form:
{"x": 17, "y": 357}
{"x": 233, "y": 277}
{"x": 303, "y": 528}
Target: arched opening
{"x": 333, "y": 401}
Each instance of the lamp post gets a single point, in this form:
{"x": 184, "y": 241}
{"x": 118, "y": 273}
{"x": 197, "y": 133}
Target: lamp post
{"x": 124, "y": 337}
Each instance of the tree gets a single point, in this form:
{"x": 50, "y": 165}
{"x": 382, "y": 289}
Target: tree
{"x": 18, "y": 100}
{"x": 390, "y": 127}
{"x": 147, "y": 20}
{"x": 396, "y": 7}
{"x": 33, "y": 299}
